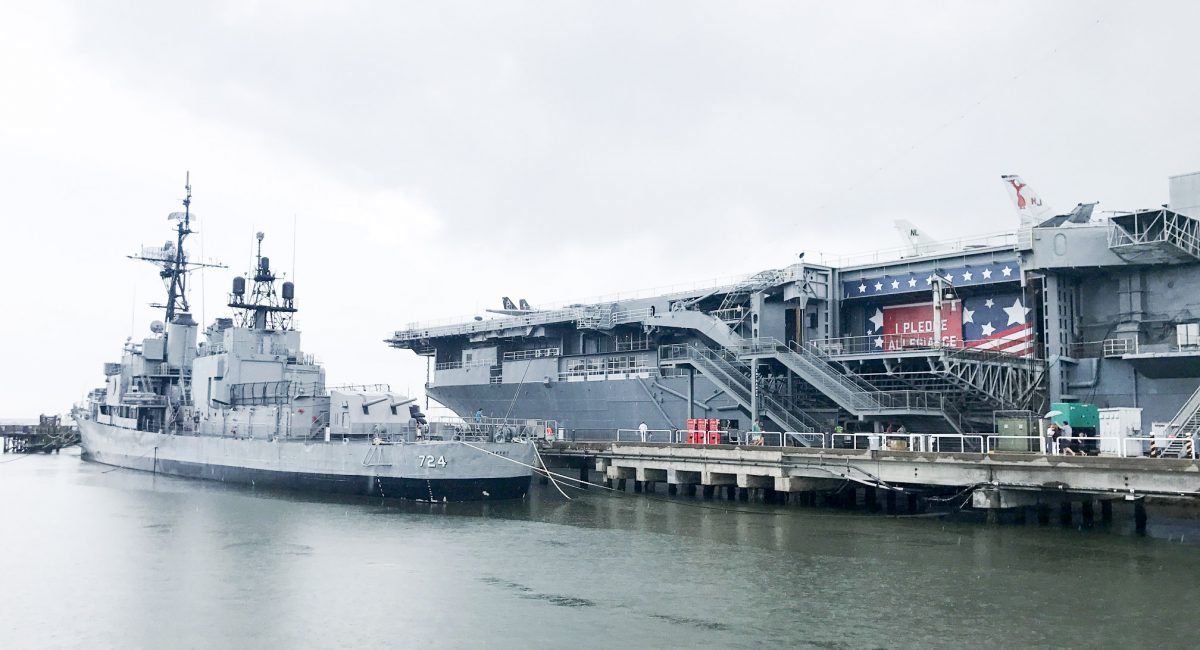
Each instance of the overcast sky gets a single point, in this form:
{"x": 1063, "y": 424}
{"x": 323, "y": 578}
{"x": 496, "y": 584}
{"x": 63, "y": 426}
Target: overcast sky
{"x": 436, "y": 156}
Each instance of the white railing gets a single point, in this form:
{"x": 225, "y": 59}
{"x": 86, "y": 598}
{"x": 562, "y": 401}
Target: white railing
{"x": 631, "y": 315}
{"x": 522, "y": 355}
{"x": 597, "y": 374}
{"x": 361, "y": 388}
{"x": 1118, "y": 347}
{"x": 651, "y": 435}
{"x": 946, "y": 443}
{"x": 459, "y": 365}
{"x": 972, "y": 242}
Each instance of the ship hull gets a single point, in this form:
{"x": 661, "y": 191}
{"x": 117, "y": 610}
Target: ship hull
{"x": 595, "y": 409}
{"x": 427, "y": 471}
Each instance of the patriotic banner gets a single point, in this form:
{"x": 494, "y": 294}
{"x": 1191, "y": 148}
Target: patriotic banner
{"x": 901, "y": 282}
{"x": 911, "y": 326}
{"x": 1000, "y": 322}
{"x": 997, "y": 322}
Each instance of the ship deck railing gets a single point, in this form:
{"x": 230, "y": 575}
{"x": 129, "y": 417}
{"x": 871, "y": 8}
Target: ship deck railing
{"x": 968, "y": 244}
{"x": 602, "y": 374}
{"x": 361, "y": 388}
{"x": 892, "y": 344}
{"x": 924, "y": 443}
{"x": 523, "y": 355}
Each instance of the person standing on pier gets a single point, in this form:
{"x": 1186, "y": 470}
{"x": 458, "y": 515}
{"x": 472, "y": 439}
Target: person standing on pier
{"x": 643, "y": 429}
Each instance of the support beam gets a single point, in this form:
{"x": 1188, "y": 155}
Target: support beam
{"x": 682, "y": 477}
{"x": 645, "y": 474}
{"x": 754, "y": 481}
{"x": 717, "y": 478}
{"x": 804, "y": 484}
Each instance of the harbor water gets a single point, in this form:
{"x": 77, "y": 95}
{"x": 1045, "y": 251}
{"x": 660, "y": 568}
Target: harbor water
{"x": 100, "y": 557}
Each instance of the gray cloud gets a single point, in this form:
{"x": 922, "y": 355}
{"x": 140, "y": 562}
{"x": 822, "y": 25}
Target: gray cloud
{"x": 439, "y": 154}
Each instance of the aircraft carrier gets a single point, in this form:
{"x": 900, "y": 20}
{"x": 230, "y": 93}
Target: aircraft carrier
{"x": 1089, "y": 306}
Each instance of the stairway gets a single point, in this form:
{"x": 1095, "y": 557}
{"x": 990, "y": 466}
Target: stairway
{"x": 850, "y": 391}
{"x": 1183, "y": 428}
{"x": 731, "y": 375}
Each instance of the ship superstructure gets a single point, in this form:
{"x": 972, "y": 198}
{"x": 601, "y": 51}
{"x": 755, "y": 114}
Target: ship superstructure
{"x": 933, "y": 337}
{"x": 246, "y": 404}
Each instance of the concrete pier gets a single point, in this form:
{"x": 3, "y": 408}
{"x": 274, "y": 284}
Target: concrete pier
{"x": 1010, "y": 482}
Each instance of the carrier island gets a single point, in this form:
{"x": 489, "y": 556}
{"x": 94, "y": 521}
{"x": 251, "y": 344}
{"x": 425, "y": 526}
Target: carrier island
{"x": 246, "y": 404}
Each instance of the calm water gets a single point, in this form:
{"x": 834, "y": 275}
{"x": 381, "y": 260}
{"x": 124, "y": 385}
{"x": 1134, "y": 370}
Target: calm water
{"x": 97, "y": 558}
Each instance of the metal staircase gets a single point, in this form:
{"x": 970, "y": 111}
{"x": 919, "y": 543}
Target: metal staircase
{"x": 1183, "y": 428}
{"x": 850, "y": 391}
{"x": 732, "y": 309}
{"x": 731, "y": 375}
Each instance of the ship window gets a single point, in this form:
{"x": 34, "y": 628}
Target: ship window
{"x": 1060, "y": 244}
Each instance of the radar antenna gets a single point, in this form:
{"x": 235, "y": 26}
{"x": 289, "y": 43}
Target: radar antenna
{"x": 263, "y": 309}
{"x": 173, "y": 261}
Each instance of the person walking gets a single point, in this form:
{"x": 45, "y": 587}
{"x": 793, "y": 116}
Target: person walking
{"x": 478, "y": 416}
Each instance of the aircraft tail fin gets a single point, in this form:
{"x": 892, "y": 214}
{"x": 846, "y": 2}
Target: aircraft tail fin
{"x": 915, "y": 239}
{"x": 1029, "y": 205}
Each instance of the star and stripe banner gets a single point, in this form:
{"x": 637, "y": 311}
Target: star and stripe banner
{"x": 1000, "y": 323}
{"x": 997, "y": 322}
{"x": 911, "y": 282}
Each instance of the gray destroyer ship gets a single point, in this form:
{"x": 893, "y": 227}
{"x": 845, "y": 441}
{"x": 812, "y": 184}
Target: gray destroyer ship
{"x": 245, "y": 404}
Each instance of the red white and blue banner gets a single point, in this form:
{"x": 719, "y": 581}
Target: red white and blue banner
{"x": 1000, "y": 322}
{"x": 911, "y": 326}
{"x": 968, "y": 275}
{"x": 997, "y": 322}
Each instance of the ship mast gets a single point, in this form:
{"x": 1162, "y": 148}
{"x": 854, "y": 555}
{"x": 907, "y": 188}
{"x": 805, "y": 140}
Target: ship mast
{"x": 177, "y": 293}
{"x": 263, "y": 309}
{"x": 173, "y": 261}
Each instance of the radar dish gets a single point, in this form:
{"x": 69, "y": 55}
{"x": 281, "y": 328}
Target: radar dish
{"x": 178, "y": 216}
{"x": 156, "y": 327}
